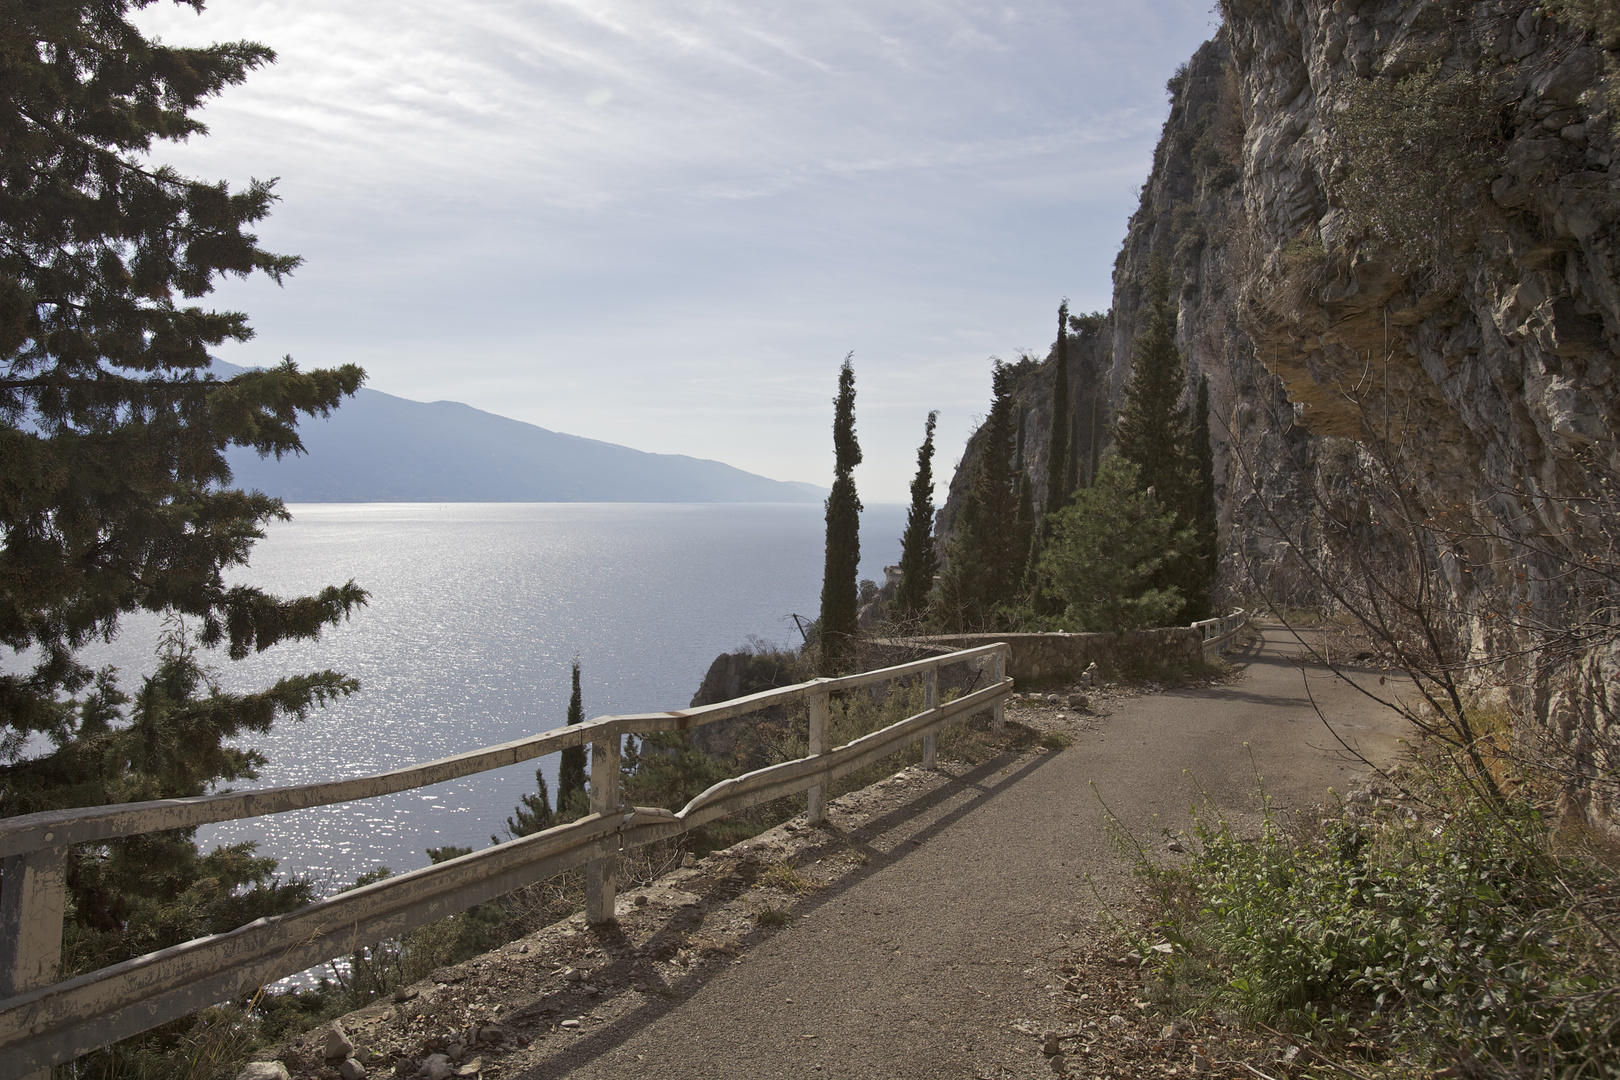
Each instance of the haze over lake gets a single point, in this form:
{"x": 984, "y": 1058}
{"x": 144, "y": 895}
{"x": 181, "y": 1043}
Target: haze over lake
{"x": 477, "y": 610}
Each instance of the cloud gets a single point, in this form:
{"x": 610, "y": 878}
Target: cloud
{"x": 658, "y": 224}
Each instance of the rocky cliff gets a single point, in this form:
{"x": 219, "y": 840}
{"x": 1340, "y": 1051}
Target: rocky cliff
{"x": 1393, "y": 224}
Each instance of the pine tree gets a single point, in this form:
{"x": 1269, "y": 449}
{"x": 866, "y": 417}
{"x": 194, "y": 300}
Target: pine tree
{"x": 112, "y": 428}
{"x": 919, "y": 561}
{"x": 959, "y": 603}
{"x": 1108, "y": 551}
{"x": 667, "y": 770}
{"x": 1059, "y": 483}
{"x": 572, "y": 801}
{"x": 839, "y": 592}
{"x": 133, "y": 896}
{"x": 533, "y": 813}
{"x": 115, "y": 495}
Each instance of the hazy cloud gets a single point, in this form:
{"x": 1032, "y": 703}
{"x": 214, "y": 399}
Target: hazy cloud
{"x": 665, "y": 224}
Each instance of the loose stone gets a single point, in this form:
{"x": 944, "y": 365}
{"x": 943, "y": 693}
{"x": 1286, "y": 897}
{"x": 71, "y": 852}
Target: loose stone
{"x": 263, "y": 1070}
{"x": 436, "y": 1067}
{"x": 338, "y": 1045}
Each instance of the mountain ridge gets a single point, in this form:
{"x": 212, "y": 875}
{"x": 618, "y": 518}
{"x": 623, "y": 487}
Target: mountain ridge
{"x": 379, "y": 447}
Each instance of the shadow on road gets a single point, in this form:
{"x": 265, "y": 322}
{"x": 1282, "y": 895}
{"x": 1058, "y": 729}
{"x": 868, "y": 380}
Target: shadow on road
{"x": 981, "y": 785}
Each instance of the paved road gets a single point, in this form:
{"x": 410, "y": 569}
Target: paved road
{"x": 917, "y": 966}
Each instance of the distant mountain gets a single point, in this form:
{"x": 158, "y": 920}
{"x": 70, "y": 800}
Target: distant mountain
{"x": 382, "y": 448}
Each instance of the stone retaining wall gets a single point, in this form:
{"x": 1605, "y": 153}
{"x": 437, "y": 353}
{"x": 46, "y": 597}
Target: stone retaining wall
{"x": 1064, "y": 656}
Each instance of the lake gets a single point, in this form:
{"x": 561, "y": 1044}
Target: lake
{"x": 476, "y": 613}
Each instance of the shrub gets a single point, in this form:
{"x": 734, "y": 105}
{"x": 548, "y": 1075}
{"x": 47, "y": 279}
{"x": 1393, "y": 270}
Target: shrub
{"x": 1447, "y": 932}
{"x": 1419, "y": 153}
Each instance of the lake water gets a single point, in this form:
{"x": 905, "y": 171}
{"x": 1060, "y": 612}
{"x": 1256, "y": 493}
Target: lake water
{"x": 476, "y": 613}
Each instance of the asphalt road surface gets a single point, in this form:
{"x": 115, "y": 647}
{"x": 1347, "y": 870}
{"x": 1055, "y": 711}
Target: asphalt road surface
{"x": 917, "y": 967}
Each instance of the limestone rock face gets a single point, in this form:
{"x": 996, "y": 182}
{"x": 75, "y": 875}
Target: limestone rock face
{"x": 1488, "y": 375}
{"x": 1487, "y": 372}
{"x": 733, "y": 675}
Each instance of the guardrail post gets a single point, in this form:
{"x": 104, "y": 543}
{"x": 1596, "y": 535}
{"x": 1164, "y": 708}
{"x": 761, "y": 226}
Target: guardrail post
{"x": 816, "y": 797}
{"x": 600, "y": 873}
{"x": 998, "y": 671}
{"x": 33, "y": 898}
{"x": 930, "y": 701}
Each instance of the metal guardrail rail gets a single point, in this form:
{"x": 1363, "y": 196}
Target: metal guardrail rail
{"x": 44, "y": 1022}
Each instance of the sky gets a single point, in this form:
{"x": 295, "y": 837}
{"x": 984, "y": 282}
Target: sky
{"x": 664, "y": 224}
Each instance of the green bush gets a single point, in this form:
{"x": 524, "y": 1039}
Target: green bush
{"x": 1600, "y": 18}
{"x": 1454, "y": 935}
{"x": 1419, "y": 154}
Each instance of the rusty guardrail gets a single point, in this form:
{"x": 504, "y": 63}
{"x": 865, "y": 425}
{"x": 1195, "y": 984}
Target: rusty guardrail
{"x": 44, "y": 1022}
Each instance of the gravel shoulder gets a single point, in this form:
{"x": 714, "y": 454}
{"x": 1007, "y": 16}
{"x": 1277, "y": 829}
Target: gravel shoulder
{"x": 943, "y": 924}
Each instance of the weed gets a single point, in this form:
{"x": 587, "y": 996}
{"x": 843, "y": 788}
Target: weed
{"x": 1449, "y": 933}
{"x": 772, "y": 916}
{"x": 705, "y": 943}
{"x": 786, "y": 877}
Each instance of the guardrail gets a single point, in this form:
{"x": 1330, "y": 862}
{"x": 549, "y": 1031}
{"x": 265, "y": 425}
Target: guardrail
{"x": 44, "y": 1022}
{"x": 1219, "y": 631}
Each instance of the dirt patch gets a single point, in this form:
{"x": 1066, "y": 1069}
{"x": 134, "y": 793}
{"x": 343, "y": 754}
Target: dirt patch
{"x": 1097, "y": 1022}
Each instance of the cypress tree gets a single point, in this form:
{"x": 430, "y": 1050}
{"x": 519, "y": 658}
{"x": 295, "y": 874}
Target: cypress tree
{"x": 1059, "y": 482}
{"x": 840, "y": 596}
{"x": 1072, "y": 474}
{"x": 571, "y": 799}
{"x": 1152, "y": 430}
{"x": 1096, "y": 438}
{"x": 919, "y": 561}
{"x": 998, "y": 487}
{"x": 1205, "y": 549}
{"x": 1018, "y": 451}
{"x": 984, "y": 568}
{"x": 1024, "y": 530}
{"x": 1024, "y": 533}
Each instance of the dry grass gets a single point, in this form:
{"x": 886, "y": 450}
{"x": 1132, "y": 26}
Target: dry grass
{"x": 785, "y": 877}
